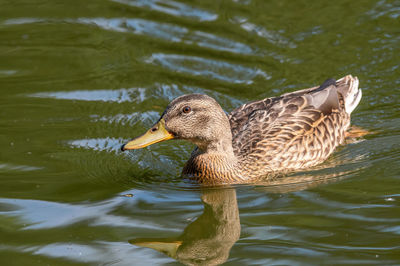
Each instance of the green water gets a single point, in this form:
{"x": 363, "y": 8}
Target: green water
{"x": 78, "y": 78}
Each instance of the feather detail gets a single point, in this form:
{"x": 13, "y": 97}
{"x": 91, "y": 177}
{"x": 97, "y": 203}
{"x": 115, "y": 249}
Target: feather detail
{"x": 295, "y": 130}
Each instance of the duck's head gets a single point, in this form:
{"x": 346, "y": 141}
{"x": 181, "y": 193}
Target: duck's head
{"x": 197, "y": 118}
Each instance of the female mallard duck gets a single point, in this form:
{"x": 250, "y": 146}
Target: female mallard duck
{"x": 279, "y": 134}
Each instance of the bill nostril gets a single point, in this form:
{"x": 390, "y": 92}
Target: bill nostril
{"x": 153, "y": 129}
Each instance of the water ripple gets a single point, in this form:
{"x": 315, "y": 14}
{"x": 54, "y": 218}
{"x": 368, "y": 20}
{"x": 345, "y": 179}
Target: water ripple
{"x": 172, "y": 8}
{"x": 18, "y": 21}
{"x": 9, "y": 72}
{"x": 100, "y": 253}
{"x": 199, "y": 66}
{"x": 384, "y": 8}
{"x": 164, "y": 31}
{"x": 120, "y": 95}
{"x": 98, "y": 144}
{"x": 271, "y": 36}
{"x": 39, "y": 214}
{"x": 218, "y": 43}
{"x": 147, "y": 118}
{"x": 169, "y": 32}
{"x": 12, "y": 167}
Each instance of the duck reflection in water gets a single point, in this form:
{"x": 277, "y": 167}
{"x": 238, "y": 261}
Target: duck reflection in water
{"x": 207, "y": 240}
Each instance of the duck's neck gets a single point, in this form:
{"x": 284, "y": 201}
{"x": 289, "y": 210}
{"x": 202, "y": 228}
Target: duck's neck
{"x": 214, "y": 163}
{"x": 223, "y": 146}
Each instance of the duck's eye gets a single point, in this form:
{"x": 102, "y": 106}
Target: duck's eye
{"x": 186, "y": 109}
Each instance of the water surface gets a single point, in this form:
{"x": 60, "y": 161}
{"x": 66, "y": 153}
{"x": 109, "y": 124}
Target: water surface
{"x": 80, "y": 78}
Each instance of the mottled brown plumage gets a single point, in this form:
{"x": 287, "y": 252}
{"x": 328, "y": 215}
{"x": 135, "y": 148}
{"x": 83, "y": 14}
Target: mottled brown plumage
{"x": 278, "y": 134}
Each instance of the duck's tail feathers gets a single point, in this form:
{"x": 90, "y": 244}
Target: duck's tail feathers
{"x": 348, "y": 87}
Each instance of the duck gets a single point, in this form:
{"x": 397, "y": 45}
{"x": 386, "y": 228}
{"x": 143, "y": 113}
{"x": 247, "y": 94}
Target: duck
{"x": 294, "y": 131}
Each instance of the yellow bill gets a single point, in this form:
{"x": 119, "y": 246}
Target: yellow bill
{"x": 155, "y": 134}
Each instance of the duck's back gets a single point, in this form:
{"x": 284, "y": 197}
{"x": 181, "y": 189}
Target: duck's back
{"x": 295, "y": 130}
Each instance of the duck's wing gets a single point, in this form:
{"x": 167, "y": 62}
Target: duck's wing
{"x": 304, "y": 121}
